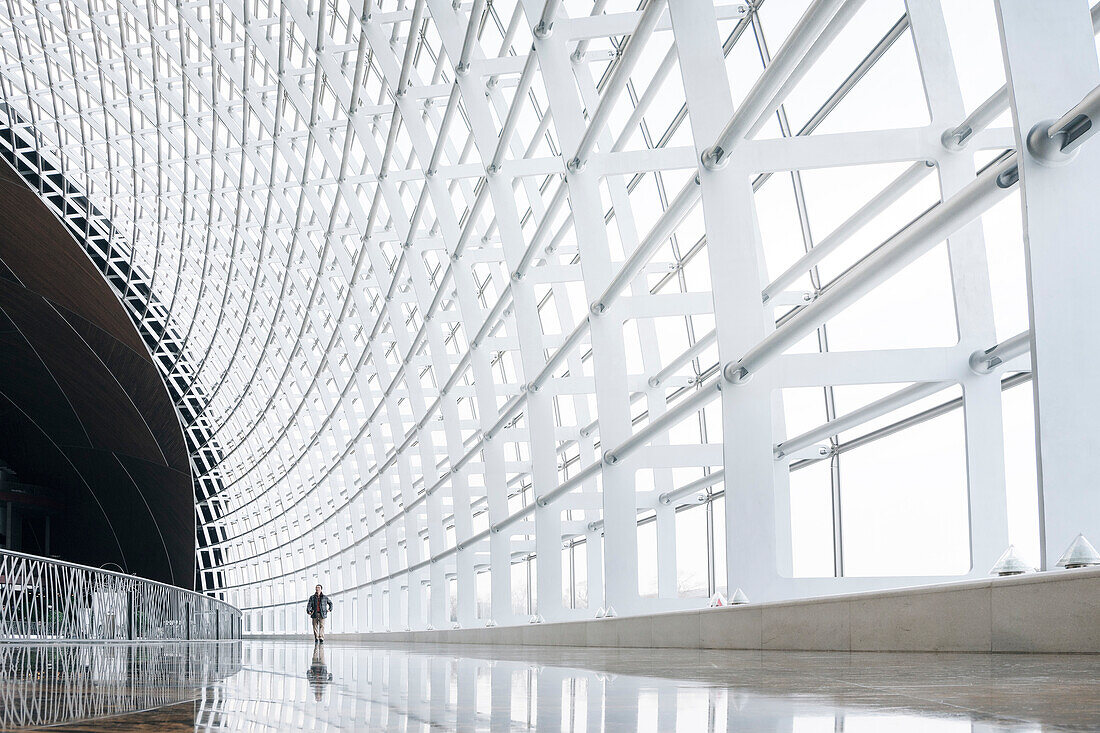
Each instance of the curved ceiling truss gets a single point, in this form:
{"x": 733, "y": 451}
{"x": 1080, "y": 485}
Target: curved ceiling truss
{"x": 443, "y": 290}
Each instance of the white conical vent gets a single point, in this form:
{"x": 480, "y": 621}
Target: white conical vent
{"x": 1010, "y": 563}
{"x": 738, "y": 598}
{"x": 610, "y": 612}
{"x": 1079, "y": 554}
{"x": 718, "y": 600}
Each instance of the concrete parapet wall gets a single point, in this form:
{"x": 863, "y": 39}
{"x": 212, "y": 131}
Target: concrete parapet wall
{"x": 1055, "y": 611}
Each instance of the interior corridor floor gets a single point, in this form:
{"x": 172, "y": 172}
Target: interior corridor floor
{"x": 293, "y": 685}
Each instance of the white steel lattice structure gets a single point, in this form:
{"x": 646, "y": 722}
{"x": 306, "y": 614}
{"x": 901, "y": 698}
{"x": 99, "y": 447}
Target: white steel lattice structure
{"x": 482, "y": 311}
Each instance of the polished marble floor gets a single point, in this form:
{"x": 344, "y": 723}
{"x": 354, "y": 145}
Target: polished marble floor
{"x": 289, "y": 685}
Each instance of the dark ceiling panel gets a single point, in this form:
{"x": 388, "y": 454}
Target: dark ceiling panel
{"x": 84, "y": 414}
{"x": 142, "y": 384}
{"x": 140, "y": 532}
{"x": 54, "y": 266}
{"x": 31, "y": 388}
{"x": 104, "y": 409}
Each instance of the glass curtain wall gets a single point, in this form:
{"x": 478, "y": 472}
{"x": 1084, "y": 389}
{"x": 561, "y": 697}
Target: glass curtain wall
{"x": 456, "y": 298}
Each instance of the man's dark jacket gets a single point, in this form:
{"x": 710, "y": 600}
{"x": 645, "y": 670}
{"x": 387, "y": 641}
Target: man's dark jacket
{"x": 316, "y": 610}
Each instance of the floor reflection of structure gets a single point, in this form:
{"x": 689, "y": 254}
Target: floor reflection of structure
{"x": 280, "y": 685}
{"x": 50, "y": 683}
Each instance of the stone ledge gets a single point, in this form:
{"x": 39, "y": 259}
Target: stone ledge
{"x": 1057, "y": 611}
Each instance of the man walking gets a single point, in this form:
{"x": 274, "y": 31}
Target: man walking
{"x": 317, "y": 608}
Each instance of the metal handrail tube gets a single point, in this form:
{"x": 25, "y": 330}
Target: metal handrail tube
{"x": 360, "y": 67}
{"x": 372, "y": 212}
{"x": 897, "y": 252}
{"x": 503, "y": 302}
{"x": 542, "y": 230}
{"x": 615, "y": 85}
{"x": 396, "y": 270}
{"x": 469, "y": 454}
{"x": 417, "y": 215}
{"x": 559, "y": 355}
{"x": 855, "y": 418}
{"x": 590, "y": 428}
{"x": 410, "y": 49}
{"x": 430, "y": 411}
{"x": 921, "y": 417}
{"x": 540, "y": 131}
{"x": 468, "y": 40}
{"x": 440, "y": 292}
{"x": 677, "y": 209}
{"x": 820, "y": 44}
{"x": 784, "y": 66}
{"x": 565, "y": 487}
{"x": 692, "y": 352}
{"x": 1076, "y": 126}
{"x": 46, "y": 599}
{"x": 456, "y": 373}
{"x": 546, "y": 20}
{"x": 506, "y": 415}
{"x": 391, "y": 141}
{"x": 444, "y": 130}
{"x": 866, "y": 213}
{"x": 383, "y": 169}
{"x": 650, "y": 94}
{"x": 706, "y": 392}
{"x": 526, "y": 78}
{"x": 560, "y": 235}
{"x": 471, "y": 220}
{"x": 582, "y": 45}
{"x": 983, "y": 362}
{"x": 982, "y": 117}
{"x": 849, "y": 83}
{"x": 697, "y": 485}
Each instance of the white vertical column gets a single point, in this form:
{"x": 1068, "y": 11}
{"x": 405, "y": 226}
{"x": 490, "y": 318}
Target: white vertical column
{"x": 756, "y": 488}
{"x": 1050, "y": 60}
{"x": 608, "y": 349}
{"x": 973, "y": 298}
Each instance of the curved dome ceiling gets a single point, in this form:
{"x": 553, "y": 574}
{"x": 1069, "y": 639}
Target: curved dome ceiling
{"x": 408, "y": 267}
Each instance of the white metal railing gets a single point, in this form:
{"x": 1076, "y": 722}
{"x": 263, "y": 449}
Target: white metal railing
{"x": 44, "y": 599}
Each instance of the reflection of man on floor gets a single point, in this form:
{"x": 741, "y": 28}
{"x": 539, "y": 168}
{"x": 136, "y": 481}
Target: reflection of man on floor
{"x": 318, "y": 674}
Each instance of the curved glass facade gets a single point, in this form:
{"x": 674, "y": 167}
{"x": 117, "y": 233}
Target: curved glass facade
{"x": 483, "y": 312}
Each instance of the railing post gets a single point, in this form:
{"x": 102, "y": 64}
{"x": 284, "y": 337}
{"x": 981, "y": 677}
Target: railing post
{"x": 187, "y": 619}
{"x": 217, "y": 624}
{"x": 130, "y": 615}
